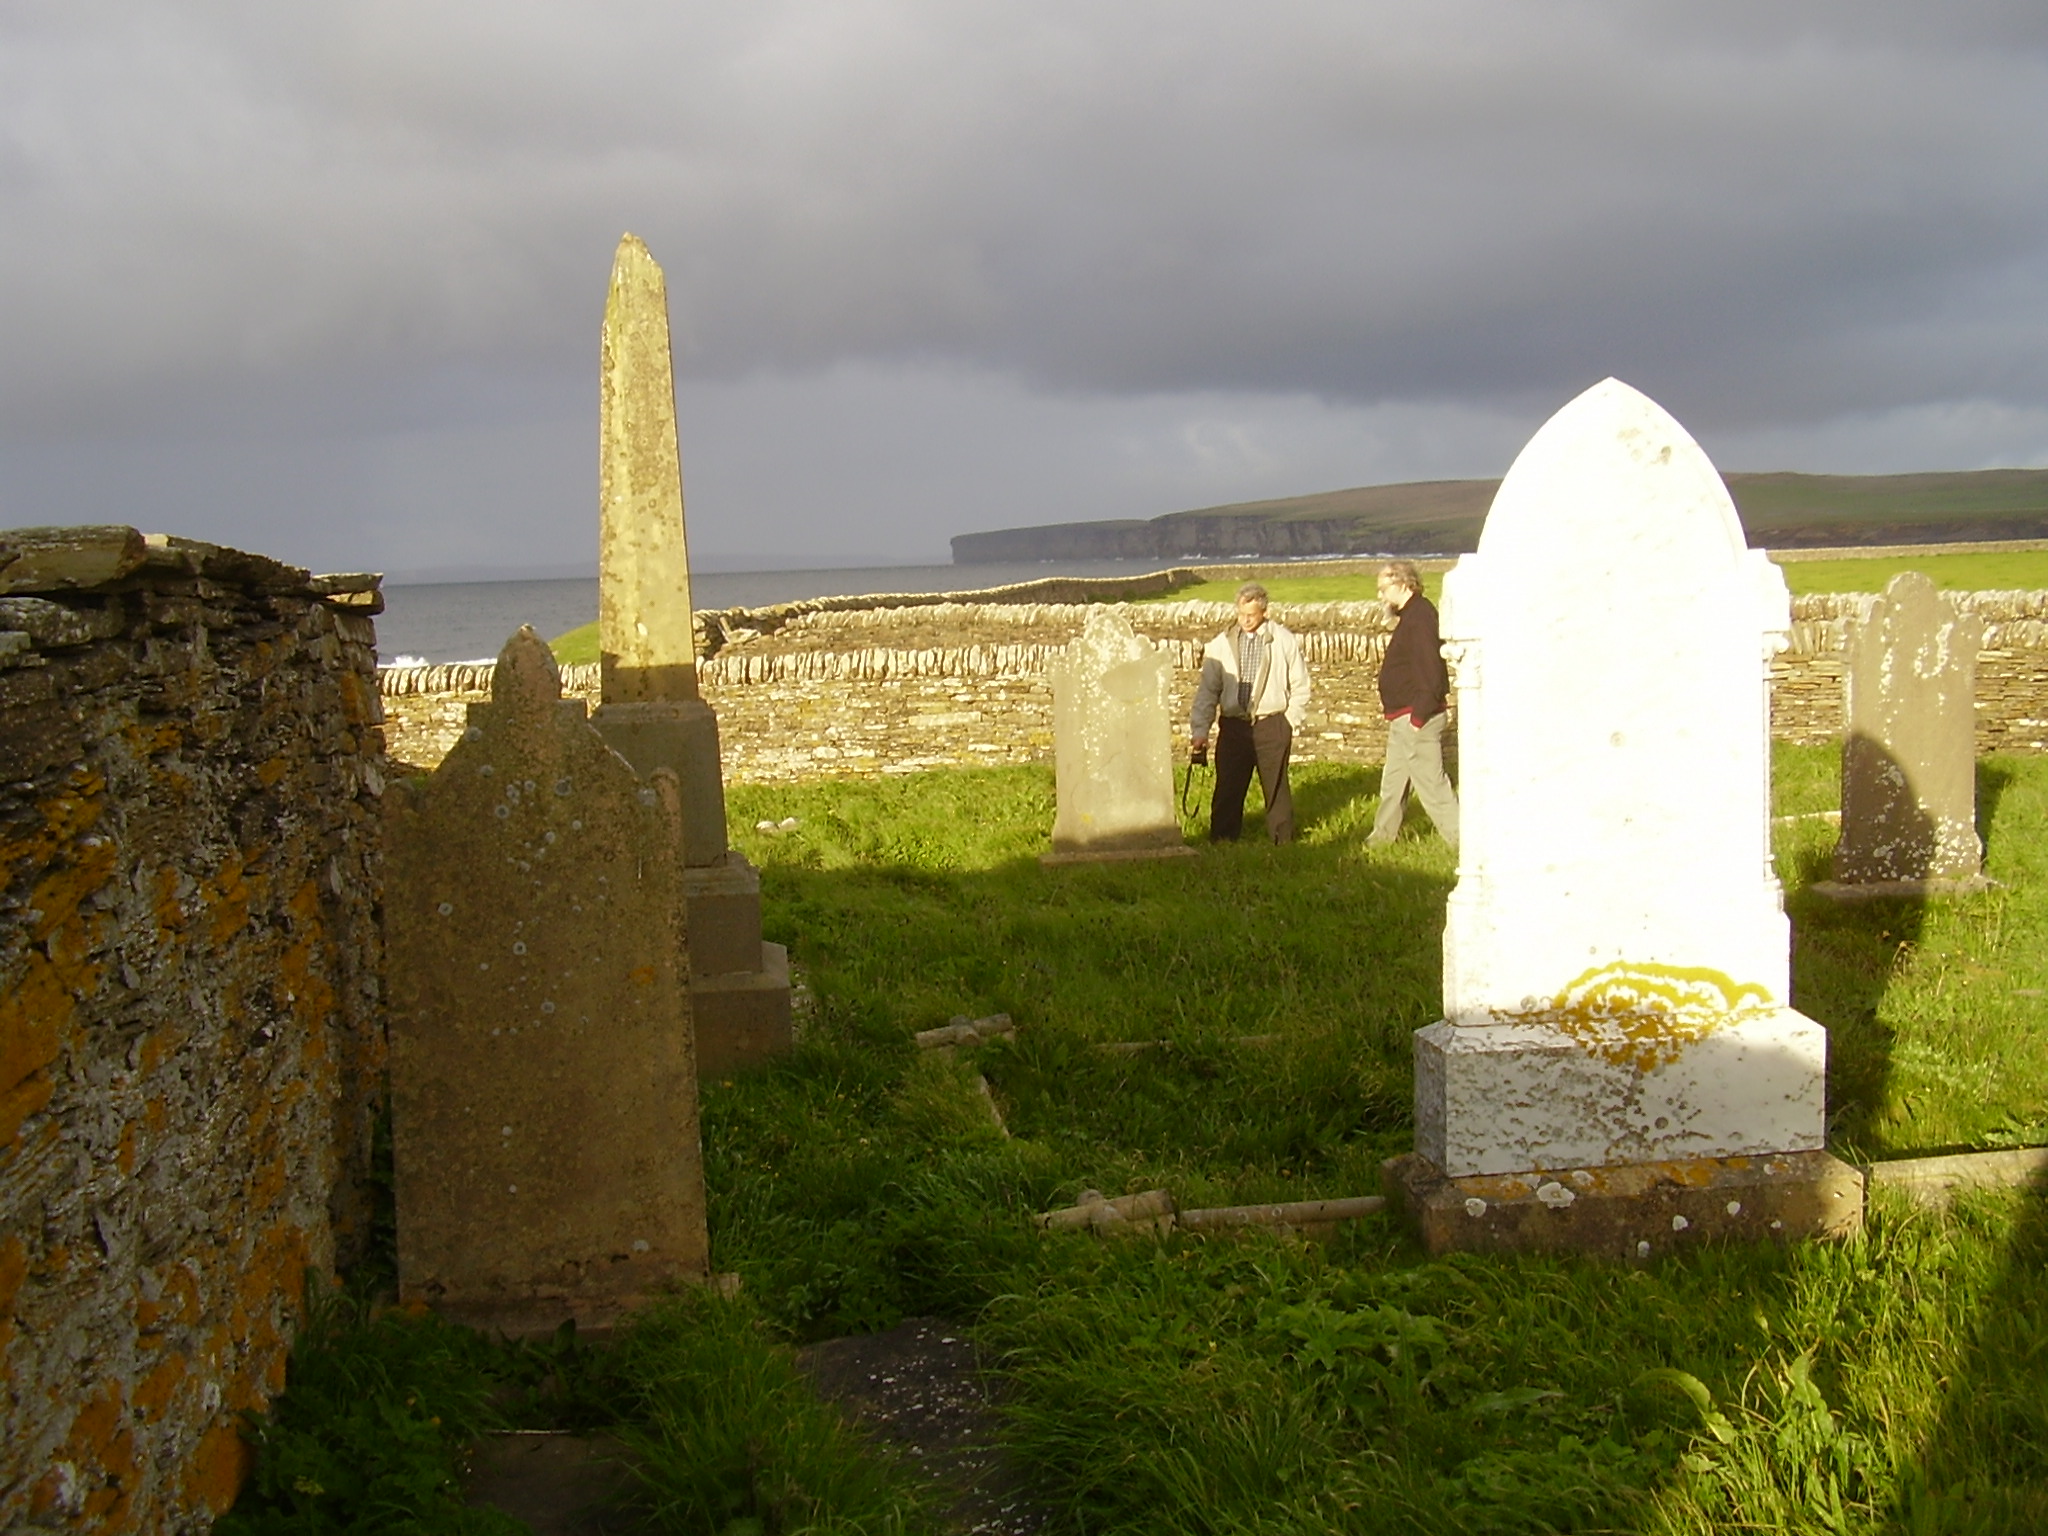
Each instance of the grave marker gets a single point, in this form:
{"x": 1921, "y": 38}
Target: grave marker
{"x": 1113, "y": 746}
{"x": 1909, "y": 761}
{"x": 651, "y": 711}
{"x": 1616, "y": 954}
{"x": 544, "y": 1092}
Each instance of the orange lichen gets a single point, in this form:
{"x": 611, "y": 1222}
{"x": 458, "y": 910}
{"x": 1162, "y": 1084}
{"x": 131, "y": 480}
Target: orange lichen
{"x": 218, "y": 1468}
{"x": 228, "y": 895}
{"x": 1643, "y": 1016}
{"x": 13, "y": 1271}
{"x": 65, "y": 818}
{"x": 154, "y": 1392}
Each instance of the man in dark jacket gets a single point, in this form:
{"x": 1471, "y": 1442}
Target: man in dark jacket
{"x": 1414, "y": 693}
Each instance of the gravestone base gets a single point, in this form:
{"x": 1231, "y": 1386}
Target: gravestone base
{"x": 1059, "y": 856}
{"x": 1850, "y": 891}
{"x": 722, "y": 916}
{"x": 743, "y": 1017}
{"x": 682, "y": 736}
{"x": 1632, "y": 1212}
{"x": 603, "y": 1295}
{"x": 1503, "y": 1098}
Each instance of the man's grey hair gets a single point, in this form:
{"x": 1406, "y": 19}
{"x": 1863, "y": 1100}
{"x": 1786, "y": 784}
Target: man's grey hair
{"x": 1405, "y": 572}
{"x": 1252, "y": 592}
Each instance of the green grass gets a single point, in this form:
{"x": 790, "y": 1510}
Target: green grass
{"x": 1897, "y": 1382}
{"x": 578, "y": 647}
{"x": 2024, "y": 570}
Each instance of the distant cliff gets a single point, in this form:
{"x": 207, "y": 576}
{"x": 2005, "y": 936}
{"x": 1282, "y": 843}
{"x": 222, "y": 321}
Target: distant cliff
{"x": 1444, "y": 516}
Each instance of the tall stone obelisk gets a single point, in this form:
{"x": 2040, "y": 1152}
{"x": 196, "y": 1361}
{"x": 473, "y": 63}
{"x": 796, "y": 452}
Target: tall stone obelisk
{"x": 651, "y": 712}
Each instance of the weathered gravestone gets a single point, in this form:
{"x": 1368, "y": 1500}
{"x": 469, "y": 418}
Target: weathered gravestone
{"x": 1617, "y": 1069}
{"x": 651, "y": 711}
{"x": 1113, "y": 746}
{"x": 1909, "y": 761}
{"x": 544, "y": 1094}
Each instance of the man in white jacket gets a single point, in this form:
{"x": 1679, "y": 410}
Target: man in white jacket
{"x": 1254, "y": 678}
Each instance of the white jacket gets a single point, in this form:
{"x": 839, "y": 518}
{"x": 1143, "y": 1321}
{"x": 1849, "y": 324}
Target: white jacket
{"x": 1281, "y": 688}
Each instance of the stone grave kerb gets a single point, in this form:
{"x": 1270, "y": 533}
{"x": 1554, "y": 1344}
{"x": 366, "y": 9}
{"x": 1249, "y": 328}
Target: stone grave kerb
{"x": 1113, "y": 745}
{"x": 1909, "y": 752}
{"x": 544, "y": 1096}
{"x": 1616, "y": 953}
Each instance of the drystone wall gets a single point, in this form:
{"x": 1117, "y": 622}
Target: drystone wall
{"x": 817, "y": 690}
{"x": 190, "y": 759}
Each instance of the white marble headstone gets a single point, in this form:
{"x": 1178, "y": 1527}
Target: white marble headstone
{"x": 1616, "y": 952}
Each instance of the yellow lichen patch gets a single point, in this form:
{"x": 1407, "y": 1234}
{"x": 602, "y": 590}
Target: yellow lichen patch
{"x": 153, "y": 1393}
{"x": 147, "y": 741}
{"x": 65, "y": 817}
{"x": 269, "y": 773}
{"x": 1642, "y": 1016}
{"x": 13, "y": 1270}
{"x": 168, "y": 910}
{"x": 228, "y": 896}
{"x": 34, "y": 1014}
{"x": 218, "y": 1468}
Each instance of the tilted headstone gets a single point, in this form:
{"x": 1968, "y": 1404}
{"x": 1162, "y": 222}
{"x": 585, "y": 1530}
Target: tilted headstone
{"x": 1909, "y": 761}
{"x": 1113, "y": 743}
{"x": 651, "y": 711}
{"x": 1616, "y": 953}
{"x": 544, "y": 1091}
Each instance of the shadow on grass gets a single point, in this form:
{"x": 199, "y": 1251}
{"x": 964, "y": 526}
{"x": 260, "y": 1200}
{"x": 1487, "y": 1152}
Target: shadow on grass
{"x": 1333, "y": 954}
{"x": 1845, "y": 955}
{"x": 1993, "y": 778}
{"x": 1983, "y": 1470}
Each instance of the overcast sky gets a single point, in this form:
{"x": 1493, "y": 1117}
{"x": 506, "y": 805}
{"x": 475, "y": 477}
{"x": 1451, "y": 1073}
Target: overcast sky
{"x": 326, "y": 281}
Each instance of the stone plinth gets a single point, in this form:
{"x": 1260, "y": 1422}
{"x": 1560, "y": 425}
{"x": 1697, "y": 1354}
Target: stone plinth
{"x": 544, "y": 1090}
{"x": 681, "y": 736}
{"x": 743, "y": 1017}
{"x": 1505, "y": 1098}
{"x": 1616, "y": 954}
{"x": 1113, "y": 742}
{"x": 1909, "y": 761}
{"x": 1636, "y": 1212}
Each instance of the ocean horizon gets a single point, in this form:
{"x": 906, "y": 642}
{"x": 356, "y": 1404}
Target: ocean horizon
{"x": 435, "y": 622}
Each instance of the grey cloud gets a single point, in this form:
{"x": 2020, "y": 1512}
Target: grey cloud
{"x": 241, "y": 221}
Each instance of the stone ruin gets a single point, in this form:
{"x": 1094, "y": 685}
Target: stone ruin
{"x": 1618, "y": 1068}
{"x": 652, "y": 712}
{"x": 1909, "y": 753}
{"x": 1113, "y": 746}
{"x": 544, "y": 1089}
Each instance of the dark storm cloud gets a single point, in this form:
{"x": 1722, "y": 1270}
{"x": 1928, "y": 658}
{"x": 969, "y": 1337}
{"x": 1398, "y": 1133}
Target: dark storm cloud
{"x": 371, "y": 220}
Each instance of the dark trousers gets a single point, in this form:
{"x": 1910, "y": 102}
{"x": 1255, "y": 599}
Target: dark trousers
{"x": 1241, "y": 746}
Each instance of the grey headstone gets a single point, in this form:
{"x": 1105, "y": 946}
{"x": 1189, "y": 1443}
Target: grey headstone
{"x": 1112, "y": 742}
{"x": 544, "y": 1091}
{"x": 1909, "y": 763}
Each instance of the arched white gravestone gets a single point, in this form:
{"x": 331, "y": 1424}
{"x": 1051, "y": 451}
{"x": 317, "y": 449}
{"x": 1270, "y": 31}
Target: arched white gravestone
{"x": 1616, "y": 952}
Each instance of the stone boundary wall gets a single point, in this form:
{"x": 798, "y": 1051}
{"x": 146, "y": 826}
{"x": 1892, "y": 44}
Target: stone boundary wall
{"x": 190, "y": 760}
{"x": 808, "y": 691}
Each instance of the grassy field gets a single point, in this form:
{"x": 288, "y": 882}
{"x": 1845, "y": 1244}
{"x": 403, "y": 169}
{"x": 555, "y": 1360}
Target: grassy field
{"x": 1897, "y": 1382}
{"x": 2024, "y": 570}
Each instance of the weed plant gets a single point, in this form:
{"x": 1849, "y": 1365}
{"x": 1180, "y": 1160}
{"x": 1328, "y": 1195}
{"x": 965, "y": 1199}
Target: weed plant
{"x": 1894, "y": 1382}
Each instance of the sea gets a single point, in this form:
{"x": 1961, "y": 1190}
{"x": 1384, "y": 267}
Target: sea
{"x": 472, "y": 620}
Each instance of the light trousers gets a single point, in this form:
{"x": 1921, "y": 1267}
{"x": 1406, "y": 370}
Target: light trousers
{"x": 1415, "y": 760}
